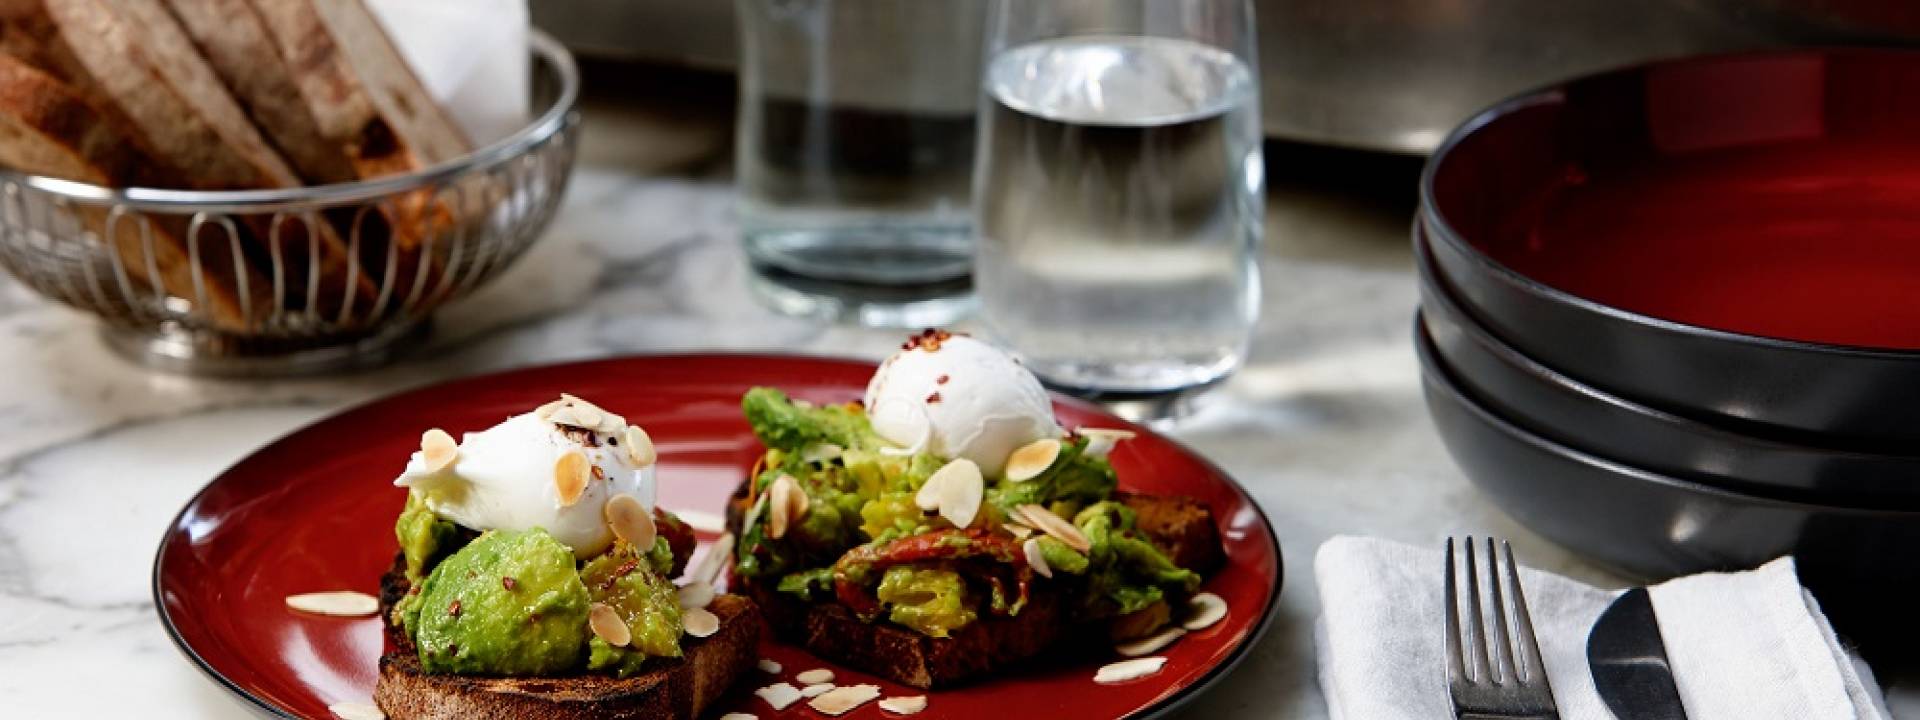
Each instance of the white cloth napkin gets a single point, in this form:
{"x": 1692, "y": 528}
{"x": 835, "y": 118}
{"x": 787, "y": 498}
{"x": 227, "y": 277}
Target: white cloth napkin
{"x": 471, "y": 55}
{"x": 1744, "y": 646}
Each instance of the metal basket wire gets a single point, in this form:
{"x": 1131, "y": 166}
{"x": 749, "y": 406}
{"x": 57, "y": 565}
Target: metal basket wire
{"x": 309, "y": 279}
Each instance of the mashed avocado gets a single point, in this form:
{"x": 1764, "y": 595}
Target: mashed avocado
{"x": 930, "y": 600}
{"x": 627, "y": 580}
{"x": 509, "y": 603}
{"x": 423, "y": 535}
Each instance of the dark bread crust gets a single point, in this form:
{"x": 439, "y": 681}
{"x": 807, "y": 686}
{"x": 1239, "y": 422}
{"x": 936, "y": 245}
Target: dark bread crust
{"x": 674, "y": 690}
{"x": 1181, "y": 527}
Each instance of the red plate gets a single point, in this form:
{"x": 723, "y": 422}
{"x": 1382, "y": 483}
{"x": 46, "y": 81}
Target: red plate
{"x": 314, "y": 511}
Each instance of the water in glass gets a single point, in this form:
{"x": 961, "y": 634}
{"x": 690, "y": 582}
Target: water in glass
{"x": 1118, "y": 188}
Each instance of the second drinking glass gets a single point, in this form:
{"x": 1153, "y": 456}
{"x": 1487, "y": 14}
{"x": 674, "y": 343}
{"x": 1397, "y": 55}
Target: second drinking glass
{"x": 1118, "y": 187}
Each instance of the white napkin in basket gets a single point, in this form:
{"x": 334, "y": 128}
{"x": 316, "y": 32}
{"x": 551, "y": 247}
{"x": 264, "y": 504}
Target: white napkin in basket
{"x": 1744, "y": 646}
{"x": 471, "y": 54}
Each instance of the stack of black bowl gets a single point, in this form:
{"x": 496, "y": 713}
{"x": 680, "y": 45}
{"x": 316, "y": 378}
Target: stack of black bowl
{"x": 1622, "y": 404}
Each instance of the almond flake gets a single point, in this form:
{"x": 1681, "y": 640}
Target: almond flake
{"x": 840, "y": 701}
{"x": 779, "y": 695}
{"x": 770, "y": 665}
{"x": 1150, "y": 644}
{"x": 1036, "y": 559}
{"x": 356, "y": 711}
{"x": 570, "y": 474}
{"x": 1100, "y": 441}
{"x": 1018, "y": 531}
{"x": 699, "y": 623}
{"x": 606, "y": 624}
{"x": 695, "y": 594}
{"x": 738, "y": 716}
{"x": 816, "y": 690}
{"x": 545, "y": 412}
{"x": 1203, "y": 610}
{"x": 1032, "y": 459}
{"x": 1129, "y": 670}
{"x": 904, "y": 705}
{"x": 639, "y": 446}
{"x": 789, "y": 505}
{"x": 1045, "y": 521}
{"x": 631, "y": 521}
{"x": 438, "y": 450}
{"x": 702, "y": 521}
{"x": 714, "y": 562}
{"x": 339, "y": 603}
{"x": 929, "y": 496}
{"x": 815, "y": 676}
{"x": 961, "y": 491}
{"x": 755, "y": 513}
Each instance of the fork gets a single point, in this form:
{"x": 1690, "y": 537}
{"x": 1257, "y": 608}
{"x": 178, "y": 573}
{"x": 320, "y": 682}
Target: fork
{"x": 1483, "y": 684}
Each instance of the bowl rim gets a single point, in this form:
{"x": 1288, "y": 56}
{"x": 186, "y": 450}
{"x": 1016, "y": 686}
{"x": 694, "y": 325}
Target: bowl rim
{"x": 1430, "y": 215}
{"x": 1526, "y": 364}
{"x": 544, "y": 127}
{"x": 1439, "y": 377}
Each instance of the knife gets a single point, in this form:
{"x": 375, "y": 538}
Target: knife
{"x": 1629, "y": 661}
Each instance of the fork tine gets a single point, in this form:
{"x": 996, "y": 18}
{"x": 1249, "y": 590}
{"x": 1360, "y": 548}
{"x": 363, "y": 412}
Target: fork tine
{"x": 1456, "y": 670}
{"x": 1523, "y": 623}
{"x": 1476, "y": 629}
{"x": 1503, "y": 668}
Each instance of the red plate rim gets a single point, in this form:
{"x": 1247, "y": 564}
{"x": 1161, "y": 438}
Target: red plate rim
{"x": 1158, "y": 709}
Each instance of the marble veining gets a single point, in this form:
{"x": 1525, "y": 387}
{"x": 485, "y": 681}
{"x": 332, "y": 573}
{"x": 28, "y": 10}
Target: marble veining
{"x": 1325, "y": 425}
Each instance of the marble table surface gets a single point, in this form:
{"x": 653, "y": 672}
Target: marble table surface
{"x": 1325, "y": 425}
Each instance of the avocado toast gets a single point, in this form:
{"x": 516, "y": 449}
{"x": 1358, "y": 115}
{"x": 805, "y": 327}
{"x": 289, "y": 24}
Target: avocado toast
{"x": 534, "y": 581}
{"x": 946, "y": 528}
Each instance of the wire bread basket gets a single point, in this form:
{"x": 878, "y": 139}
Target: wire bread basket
{"x": 298, "y": 280}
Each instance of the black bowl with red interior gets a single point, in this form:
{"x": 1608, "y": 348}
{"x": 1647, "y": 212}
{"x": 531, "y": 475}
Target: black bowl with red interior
{"x": 1732, "y": 239}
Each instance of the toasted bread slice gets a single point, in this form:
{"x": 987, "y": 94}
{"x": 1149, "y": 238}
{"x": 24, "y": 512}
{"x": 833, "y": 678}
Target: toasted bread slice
{"x": 46, "y": 128}
{"x": 681, "y": 689}
{"x": 1179, "y": 526}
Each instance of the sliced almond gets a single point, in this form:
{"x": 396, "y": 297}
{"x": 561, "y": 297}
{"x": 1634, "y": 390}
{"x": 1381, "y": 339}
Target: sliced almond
{"x": 929, "y": 496}
{"x": 770, "y": 665}
{"x": 1032, "y": 459}
{"x": 438, "y": 450}
{"x": 815, "y": 676}
{"x": 961, "y": 491}
{"x": 789, "y": 505}
{"x": 639, "y": 446}
{"x": 1203, "y": 610}
{"x": 755, "y": 514}
{"x": 1129, "y": 670}
{"x": 631, "y": 521}
{"x": 816, "y": 690}
{"x": 695, "y": 594}
{"x": 699, "y": 623}
{"x": 1036, "y": 559}
{"x": 714, "y": 562}
{"x": 738, "y": 716}
{"x": 1150, "y": 644}
{"x": 570, "y": 475}
{"x": 840, "y": 701}
{"x": 587, "y": 415}
{"x": 1100, "y": 441}
{"x": 339, "y": 603}
{"x": 606, "y": 624}
{"x": 356, "y": 711}
{"x": 1045, "y": 521}
{"x": 904, "y": 705}
{"x": 1017, "y": 530}
{"x": 779, "y": 695}
{"x": 545, "y": 412}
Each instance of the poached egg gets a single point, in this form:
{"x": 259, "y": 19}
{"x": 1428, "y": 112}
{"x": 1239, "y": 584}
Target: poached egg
{"x": 958, "y": 397}
{"x": 553, "y": 468}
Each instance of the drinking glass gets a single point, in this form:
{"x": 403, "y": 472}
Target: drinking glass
{"x": 1118, "y": 190}
{"x": 855, "y": 151}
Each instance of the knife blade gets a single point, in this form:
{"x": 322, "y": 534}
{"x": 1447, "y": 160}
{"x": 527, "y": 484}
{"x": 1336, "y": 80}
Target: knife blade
{"x": 1629, "y": 661}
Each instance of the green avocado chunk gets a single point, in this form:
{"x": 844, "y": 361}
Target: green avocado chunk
{"x": 509, "y": 603}
{"x": 930, "y": 600}
{"x": 423, "y": 535}
{"x": 626, "y": 580}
